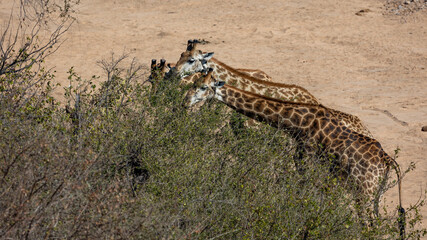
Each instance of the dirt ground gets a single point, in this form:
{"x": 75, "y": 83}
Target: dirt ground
{"x": 364, "y": 57}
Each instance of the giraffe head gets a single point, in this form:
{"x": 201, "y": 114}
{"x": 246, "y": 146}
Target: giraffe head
{"x": 158, "y": 71}
{"x": 161, "y": 70}
{"x": 203, "y": 89}
{"x": 192, "y": 60}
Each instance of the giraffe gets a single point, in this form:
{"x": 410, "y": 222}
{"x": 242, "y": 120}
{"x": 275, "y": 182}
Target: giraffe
{"x": 357, "y": 158}
{"x": 246, "y": 82}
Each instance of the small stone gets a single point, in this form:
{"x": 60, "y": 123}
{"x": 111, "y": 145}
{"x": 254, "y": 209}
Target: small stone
{"x": 424, "y": 129}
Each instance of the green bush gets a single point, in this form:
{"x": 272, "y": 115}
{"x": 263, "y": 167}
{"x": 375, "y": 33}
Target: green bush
{"x": 121, "y": 162}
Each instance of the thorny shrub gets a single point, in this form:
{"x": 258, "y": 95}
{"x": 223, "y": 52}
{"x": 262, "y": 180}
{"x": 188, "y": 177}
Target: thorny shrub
{"x": 121, "y": 161}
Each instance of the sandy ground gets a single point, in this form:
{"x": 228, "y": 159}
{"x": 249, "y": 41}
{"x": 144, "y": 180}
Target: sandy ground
{"x": 370, "y": 64}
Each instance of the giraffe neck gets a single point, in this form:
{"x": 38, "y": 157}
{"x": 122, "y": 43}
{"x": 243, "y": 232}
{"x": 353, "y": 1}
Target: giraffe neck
{"x": 245, "y": 82}
{"x": 190, "y": 79}
{"x": 297, "y": 118}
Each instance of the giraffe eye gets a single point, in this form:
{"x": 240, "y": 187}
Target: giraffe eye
{"x": 204, "y": 88}
{"x": 191, "y": 60}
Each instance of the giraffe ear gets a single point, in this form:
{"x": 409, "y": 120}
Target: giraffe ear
{"x": 219, "y": 84}
{"x": 207, "y": 56}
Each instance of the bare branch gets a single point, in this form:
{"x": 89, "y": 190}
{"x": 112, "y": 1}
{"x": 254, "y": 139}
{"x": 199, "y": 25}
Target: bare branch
{"x": 21, "y": 50}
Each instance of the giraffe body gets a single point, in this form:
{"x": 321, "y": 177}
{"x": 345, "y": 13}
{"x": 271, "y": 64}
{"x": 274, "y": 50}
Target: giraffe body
{"x": 359, "y": 158}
